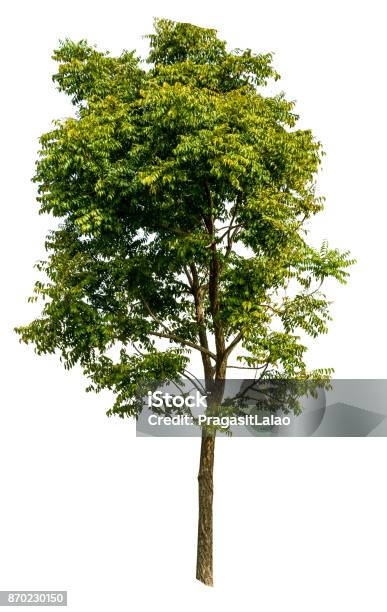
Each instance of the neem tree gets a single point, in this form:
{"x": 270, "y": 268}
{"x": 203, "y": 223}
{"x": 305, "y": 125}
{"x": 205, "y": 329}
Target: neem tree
{"x": 182, "y": 193}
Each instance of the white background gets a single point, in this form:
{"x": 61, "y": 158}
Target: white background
{"x": 84, "y": 505}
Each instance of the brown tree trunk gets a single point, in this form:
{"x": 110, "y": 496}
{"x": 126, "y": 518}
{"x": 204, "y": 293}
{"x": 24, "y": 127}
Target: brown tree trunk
{"x": 204, "y": 567}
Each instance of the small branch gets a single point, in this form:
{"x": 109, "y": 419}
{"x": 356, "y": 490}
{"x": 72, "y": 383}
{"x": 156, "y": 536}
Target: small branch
{"x": 180, "y": 340}
{"x": 195, "y": 381}
{"x": 210, "y": 221}
{"x": 235, "y": 367}
{"x": 189, "y": 276}
{"x": 315, "y": 290}
{"x": 138, "y": 350}
{"x": 233, "y": 344}
{"x": 153, "y": 316}
{"x": 231, "y": 236}
{"x": 269, "y": 307}
{"x": 171, "y": 336}
{"x": 227, "y": 232}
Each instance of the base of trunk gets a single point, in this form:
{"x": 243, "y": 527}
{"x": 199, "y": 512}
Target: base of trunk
{"x": 204, "y": 565}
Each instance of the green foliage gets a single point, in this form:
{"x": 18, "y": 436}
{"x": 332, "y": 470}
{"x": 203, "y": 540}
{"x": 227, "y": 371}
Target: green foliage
{"x": 182, "y": 193}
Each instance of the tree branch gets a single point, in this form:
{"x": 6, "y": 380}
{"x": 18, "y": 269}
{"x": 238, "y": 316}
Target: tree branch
{"x": 213, "y": 289}
{"x": 198, "y": 291}
{"x": 233, "y": 344}
{"x": 180, "y": 340}
{"x": 189, "y": 276}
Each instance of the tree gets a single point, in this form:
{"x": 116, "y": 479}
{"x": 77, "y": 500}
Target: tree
{"x": 183, "y": 195}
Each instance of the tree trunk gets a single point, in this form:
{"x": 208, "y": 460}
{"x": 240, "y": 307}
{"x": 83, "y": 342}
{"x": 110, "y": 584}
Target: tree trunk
{"x": 204, "y": 569}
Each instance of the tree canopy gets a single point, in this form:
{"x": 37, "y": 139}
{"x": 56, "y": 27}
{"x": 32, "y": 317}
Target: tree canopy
{"x": 183, "y": 194}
